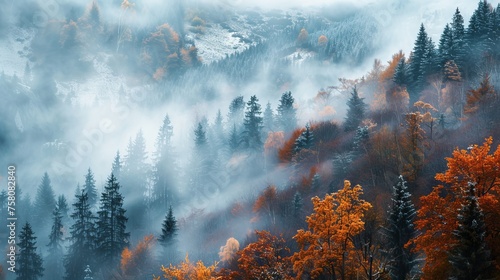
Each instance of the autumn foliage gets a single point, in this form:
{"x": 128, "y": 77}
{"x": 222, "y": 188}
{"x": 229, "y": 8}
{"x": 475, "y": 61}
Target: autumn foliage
{"x": 437, "y": 217}
{"x": 136, "y": 260}
{"x": 327, "y": 248}
{"x": 189, "y": 271}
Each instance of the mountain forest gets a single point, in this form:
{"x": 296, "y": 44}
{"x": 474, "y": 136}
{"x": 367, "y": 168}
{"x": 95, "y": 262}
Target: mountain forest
{"x": 229, "y": 140}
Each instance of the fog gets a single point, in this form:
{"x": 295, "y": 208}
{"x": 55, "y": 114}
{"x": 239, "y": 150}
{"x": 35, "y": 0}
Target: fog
{"x": 72, "y": 115}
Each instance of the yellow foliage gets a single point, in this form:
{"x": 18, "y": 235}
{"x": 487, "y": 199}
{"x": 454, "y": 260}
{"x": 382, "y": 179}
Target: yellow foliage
{"x": 189, "y": 271}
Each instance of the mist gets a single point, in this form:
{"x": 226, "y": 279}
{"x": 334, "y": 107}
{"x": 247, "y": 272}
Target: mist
{"x": 82, "y": 81}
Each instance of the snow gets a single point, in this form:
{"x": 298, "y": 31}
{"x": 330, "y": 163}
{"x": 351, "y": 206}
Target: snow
{"x": 299, "y": 56}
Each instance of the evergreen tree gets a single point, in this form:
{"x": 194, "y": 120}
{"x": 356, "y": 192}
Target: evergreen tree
{"x": 112, "y": 237}
{"x": 268, "y": 120}
{"x": 446, "y": 46}
{"x": 62, "y": 206}
{"x": 252, "y": 134}
{"x": 164, "y": 167}
{"x": 400, "y": 73}
{"x": 45, "y": 202}
{"x": 399, "y": 231}
{"x": 236, "y": 112}
{"x": 305, "y": 140}
{"x": 355, "y": 112}
{"x": 361, "y": 139}
{"x": 83, "y": 239}
{"x": 218, "y": 132}
{"x": 316, "y": 182}
{"x": 417, "y": 65}
{"x": 286, "y": 117}
{"x": 54, "y": 266}
{"x": 470, "y": 258}
{"x": 167, "y": 238}
{"x": 29, "y": 265}
{"x": 200, "y": 137}
{"x": 233, "y": 140}
{"x": 90, "y": 188}
{"x": 430, "y": 64}
{"x": 297, "y": 204}
{"x": 116, "y": 166}
{"x": 458, "y": 34}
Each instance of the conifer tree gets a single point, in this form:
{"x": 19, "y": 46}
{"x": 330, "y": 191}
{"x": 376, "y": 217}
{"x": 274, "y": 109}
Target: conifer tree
{"x": 200, "y": 137}
{"x": 286, "y": 117}
{"x": 470, "y": 258}
{"x": 305, "y": 140}
{"x": 252, "y": 133}
{"x": 355, "y": 112}
{"x": 297, "y": 204}
{"x": 90, "y": 188}
{"x": 446, "y": 46}
{"x": 458, "y": 34}
{"x": 233, "y": 140}
{"x": 168, "y": 235}
{"x": 268, "y": 119}
{"x": 417, "y": 65}
{"x": 117, "y": 166}
{"x": 112, "y": 237}
{"x": 316, "y": 182}
{"x": 45, "y": 202}
{"x": 236, "y": 112}
{"x": 400, "y": 230}
{"x": 400, "y": 73}
{"x": 30, "y": 263}
{"x": 83, "y": 239}
{"x": 54, "y": 260}
{"x": 164, "y": 167}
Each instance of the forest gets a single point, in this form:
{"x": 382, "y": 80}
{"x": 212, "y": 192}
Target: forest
{"x": 142, "y": 147}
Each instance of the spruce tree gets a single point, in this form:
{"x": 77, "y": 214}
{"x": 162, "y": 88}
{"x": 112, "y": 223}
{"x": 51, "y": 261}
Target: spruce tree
{"x": 116, "y": 167}
{"x": 90, "y": 188}
{"x": 356, "y": 109}
{"x": 305, "y": 140}
{"x": 83, "y": 239}
{"x": 252, "y": 134}
{"x": 112, "y": 237}
{"x": 297, "y": 204}
{"x": 164, "y": 167}
{"x": 236, "y": 112}
{"x": 54, "y": 265}
{"x": 286, "y": 117}
{"x": 168, "y": 235}
{"x": 45, "y": 202}
{"x": 399, "y": 231}
{"x": 400, "y": 77}
{"x": 29, "y": 263}
{"x": 316, "y": 182}
{"x": 446, "y": 46}
{"x": 470, "y": 258}
{"x": 200, "y": 137}
{"x": 417, "y": 65}
{"x": 233, "y": 140}
{"x": 361, "y": 139}
{"x": 268, "y": 120}
{"x": 458, "y": 33}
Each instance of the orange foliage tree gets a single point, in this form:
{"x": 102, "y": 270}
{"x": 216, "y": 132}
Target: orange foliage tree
{"x": 478, "y": 99}
{"x": 267, "y": 258}
{"x": 285, "y": 154}
{"x": 327, "y": 248}
{"x": 266, "y": 203}
{"x": 189, "y": 271}
{"x": 437, "y": 217}
{"x": 135, "y": 261}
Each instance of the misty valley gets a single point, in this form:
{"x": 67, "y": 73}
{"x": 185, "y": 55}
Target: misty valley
{"x": 213, "y": 139}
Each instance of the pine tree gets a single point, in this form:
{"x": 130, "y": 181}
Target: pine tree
{"x": 430, "y": 64}
{"x": 236, "y": 112}
{"x": 252, "y": 134}
{"x": 361, "y": 139}
{"x": 116, "y": 166}
{"x": 470, "y": 258}
{"x": 164, "y": 167}
{"x": 316, "y": 182}
{"x": 355, "y": 112}
{"x": 200, "y": 137}
{"x": 399, "y": 231}
{"x": 62, "y": 206}
{"x": 446, "y": 46}
{"x": 112, "y": 237}
{"x": 297, "y": 205}
{"x": 45, "y": 202}
{"x": 286, "y": 117}
{"x": 268, "y": 120}
{"x": 417, "y": 64}
{"x": 400, "y": 73}
{"x": 54, "y": 266}
{"x": 305, "y": 140}
{"x": 458, "y": 34}
{"x": 30, "y": 263}
{"x": 168, "y": 235}
{"x": 83, "y": 239}
{"x": 233, "y": 140}
{"x": 90, "y": 188}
